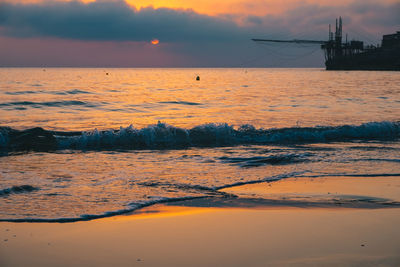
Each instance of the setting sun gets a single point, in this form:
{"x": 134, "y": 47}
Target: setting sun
{"x": 155, "y": 41}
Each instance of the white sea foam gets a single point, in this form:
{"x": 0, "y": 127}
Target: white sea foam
{"x": 165, "y": 136}
{"x": 162, "y": 135}
{"x": 87, "y": 217}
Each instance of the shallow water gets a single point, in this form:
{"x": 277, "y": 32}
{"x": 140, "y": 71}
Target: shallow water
{"x": 115, "y": 140}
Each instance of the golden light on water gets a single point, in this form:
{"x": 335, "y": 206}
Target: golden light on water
{"x": 155, "y": 41}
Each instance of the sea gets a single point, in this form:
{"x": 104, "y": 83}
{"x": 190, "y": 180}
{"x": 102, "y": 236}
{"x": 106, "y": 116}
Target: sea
{"x": 85, "y": 143}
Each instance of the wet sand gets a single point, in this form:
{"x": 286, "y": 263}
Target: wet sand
{"x": 233, "y": 233}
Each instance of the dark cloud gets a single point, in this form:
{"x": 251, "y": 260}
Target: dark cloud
{"x": 117, "y": 21}
{"x": 375, "y": 14}
{"x": 187, "y": 38}
{"x": 104, "y": 20}
{"x": 254, "y": 20}
{"x": 361, "y": 17}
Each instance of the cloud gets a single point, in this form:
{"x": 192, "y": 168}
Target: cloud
{"x": 115, "y": 20}
{"x": 373, "y": 14}
{"x": 111, "y": 20}
{"x": 119, "y": 32}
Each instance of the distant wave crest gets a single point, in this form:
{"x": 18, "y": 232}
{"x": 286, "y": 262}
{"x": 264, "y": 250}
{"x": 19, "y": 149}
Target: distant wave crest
{"x": 164, "y": 136}
{"x": 17, "y": 189}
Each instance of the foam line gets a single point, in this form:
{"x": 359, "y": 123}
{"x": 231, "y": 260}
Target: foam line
{"x": 164, "y": 136}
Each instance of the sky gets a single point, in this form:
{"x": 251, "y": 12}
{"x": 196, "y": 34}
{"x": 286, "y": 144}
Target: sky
{"x": 181, "y": 33}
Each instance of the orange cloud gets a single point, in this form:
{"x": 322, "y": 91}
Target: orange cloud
{"x": 245, "y": 7}
{"x": 212, "y": 7}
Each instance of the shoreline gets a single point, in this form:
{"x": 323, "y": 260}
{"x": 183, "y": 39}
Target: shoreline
{"x": 165, "y": 235}
{"x": 294, "y": 221}
{"x": 355, "y": 192}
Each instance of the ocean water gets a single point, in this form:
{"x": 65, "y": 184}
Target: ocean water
{"x": 79, "y": 144}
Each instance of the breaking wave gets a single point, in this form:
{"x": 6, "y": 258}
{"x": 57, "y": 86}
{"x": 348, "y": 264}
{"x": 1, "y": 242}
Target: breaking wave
{"x": 17, "y": 189}
{"x": 164, "y": 136}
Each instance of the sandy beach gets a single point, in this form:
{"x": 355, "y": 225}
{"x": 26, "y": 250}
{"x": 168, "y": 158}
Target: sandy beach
{"x": 199, "y": 133}
{"x": 211, "y": 237}
{"x": 234, "y": 234}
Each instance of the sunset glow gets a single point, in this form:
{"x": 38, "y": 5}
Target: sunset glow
{"x": 115, "y": 30}
{"x": 210, "y": 7}
{"x": 199, "y": 133}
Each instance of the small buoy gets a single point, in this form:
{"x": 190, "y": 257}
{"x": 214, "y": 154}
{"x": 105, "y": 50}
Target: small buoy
{"x": 198, "y": 78}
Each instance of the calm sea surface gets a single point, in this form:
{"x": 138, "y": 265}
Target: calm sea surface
{"x": 114, "y": 140}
